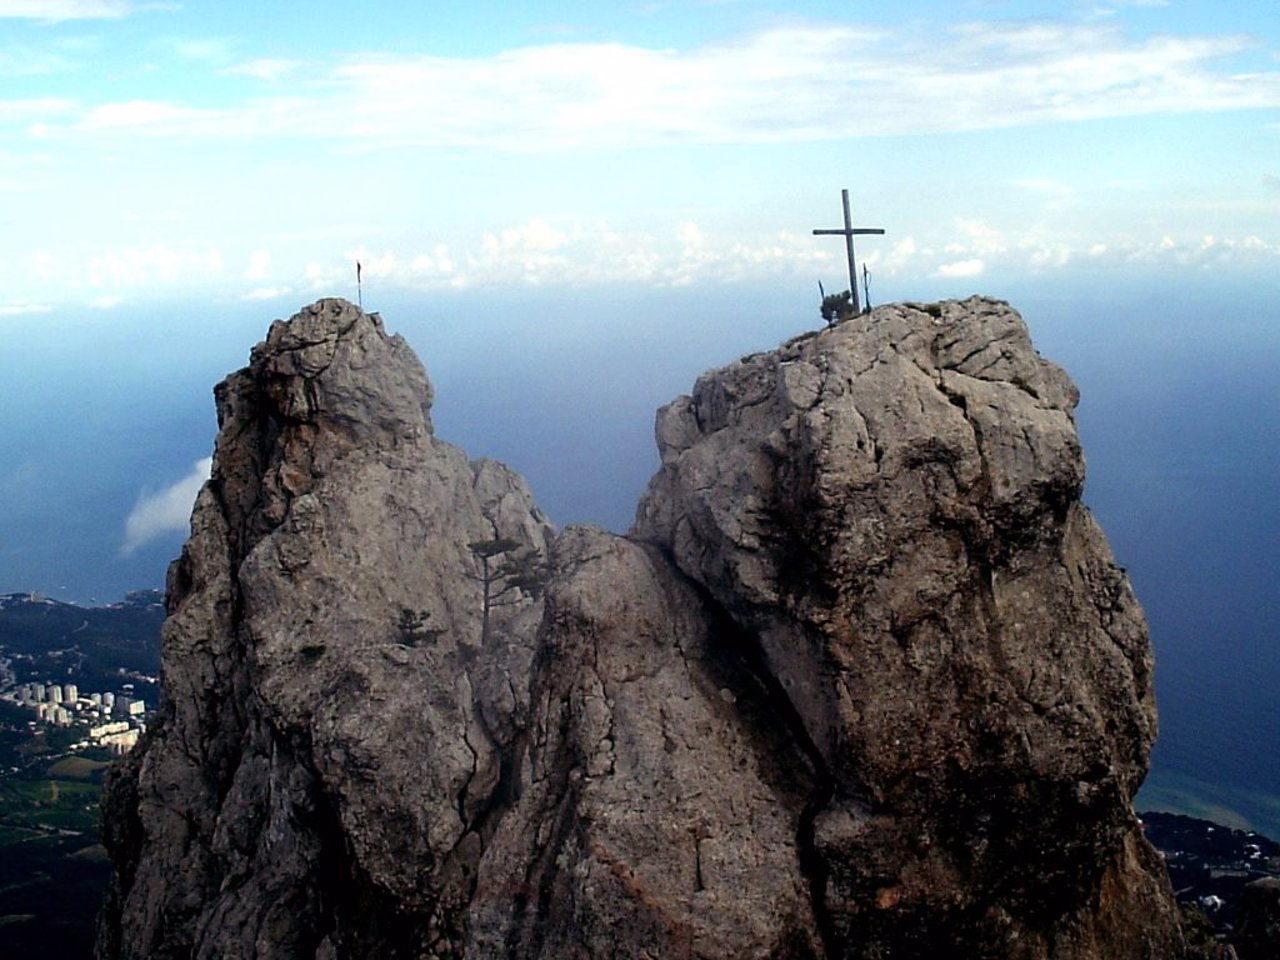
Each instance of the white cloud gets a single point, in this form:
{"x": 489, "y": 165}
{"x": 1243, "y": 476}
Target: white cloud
{"x": 259, "y": 265}
{"x": 978, "y": 237}
{"x": 570, "y": 252}
{"x": 537, "y": 236}
{"x": 567, "y": 254}
{"x": 690, "y": 234}
{"x": 1042, "y": 256}
{"x": 28, "y": 62}
{"x": 266, "y": 68}
{"x": 378, "y": 265}
{"x": 24, "y": 111}
{"x": 1201, "y": 252}
{"x": 137, "y": 114}
{"x": 166, "y": 512}
{"x": 1048, "y": 188}
{"x": 22, "y": 309}
{"x": 58, "y": 10}
{"x": 961, "y": 268}
{"x": 266, "y": 293}
{"x": 769, "y": 87}
{"x": 151, "y": 266}
{"x": 213, "y": 51}
{"x": 436, "y": 263}
{"x": 900, "y": 255}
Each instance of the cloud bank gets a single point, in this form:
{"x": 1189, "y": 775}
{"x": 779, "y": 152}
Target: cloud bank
{"x": 530, "y": 106}
{"x": 774, "y": 86}
{"x": 59, "y": 10}
{"x": 166, "y": 512}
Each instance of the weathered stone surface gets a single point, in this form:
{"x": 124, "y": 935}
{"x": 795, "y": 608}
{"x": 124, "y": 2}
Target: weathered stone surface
{"x": 331, "y": 738}
{"x": 862, "y": 682}
{"x": 891, "y": 509}
{"x": 1257, "y": 937}
{"x": 661, "y": 810}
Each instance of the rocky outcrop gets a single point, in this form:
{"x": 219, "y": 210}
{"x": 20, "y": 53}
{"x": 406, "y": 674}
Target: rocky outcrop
{"x": 338, "y": 703}
{"x": 890, "y": 509}
{"x": 661, "y": 810}
{"x": 863, "y": 681}
{"x": 1257, "y": 936}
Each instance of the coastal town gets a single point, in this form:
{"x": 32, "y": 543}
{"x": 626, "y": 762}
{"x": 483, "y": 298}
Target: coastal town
{"x": 77, "y": 678}
{"x": 77, "y": 687}
{"x": 108, "y": 720}
{"x": 1211, "y": 864}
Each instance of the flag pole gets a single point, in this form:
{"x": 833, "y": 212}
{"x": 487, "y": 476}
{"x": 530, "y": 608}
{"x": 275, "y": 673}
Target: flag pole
{"x": 359, "y": 292}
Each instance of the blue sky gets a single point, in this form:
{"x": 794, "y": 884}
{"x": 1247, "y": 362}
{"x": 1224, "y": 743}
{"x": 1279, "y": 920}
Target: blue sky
{"x": 252, "y": 152}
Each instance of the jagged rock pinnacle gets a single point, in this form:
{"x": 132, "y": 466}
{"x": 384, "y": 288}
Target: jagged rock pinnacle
{"x": 863, "y": 681}
{"x": 336, "y": 698}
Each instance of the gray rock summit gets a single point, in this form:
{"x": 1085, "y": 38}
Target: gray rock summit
{"x": 863, "y": 680}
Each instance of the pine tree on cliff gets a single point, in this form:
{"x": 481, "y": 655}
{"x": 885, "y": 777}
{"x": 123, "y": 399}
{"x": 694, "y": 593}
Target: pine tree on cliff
{"x": 509, "y": 565}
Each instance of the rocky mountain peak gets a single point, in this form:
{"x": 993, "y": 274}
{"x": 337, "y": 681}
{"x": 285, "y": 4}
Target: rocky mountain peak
{"x": 863, "y": 680}
{"x": 334, "y": 363}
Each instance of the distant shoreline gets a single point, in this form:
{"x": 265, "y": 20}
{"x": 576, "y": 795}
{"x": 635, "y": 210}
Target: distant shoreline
{"x": 1236, "y": 807}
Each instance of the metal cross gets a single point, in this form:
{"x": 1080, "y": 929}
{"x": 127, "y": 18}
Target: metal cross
{"x": 848, "y": 232}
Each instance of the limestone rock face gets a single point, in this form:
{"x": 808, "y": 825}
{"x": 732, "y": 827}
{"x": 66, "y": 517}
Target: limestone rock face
{"x": 862, "y": 682}
{"x": 337, "y": 705}
{"x": 891, "y": 509}
{"x": 661, "y": 809}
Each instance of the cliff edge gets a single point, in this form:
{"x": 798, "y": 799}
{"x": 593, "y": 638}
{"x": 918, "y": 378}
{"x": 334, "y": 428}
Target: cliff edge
{"x": 863, "y": 680}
